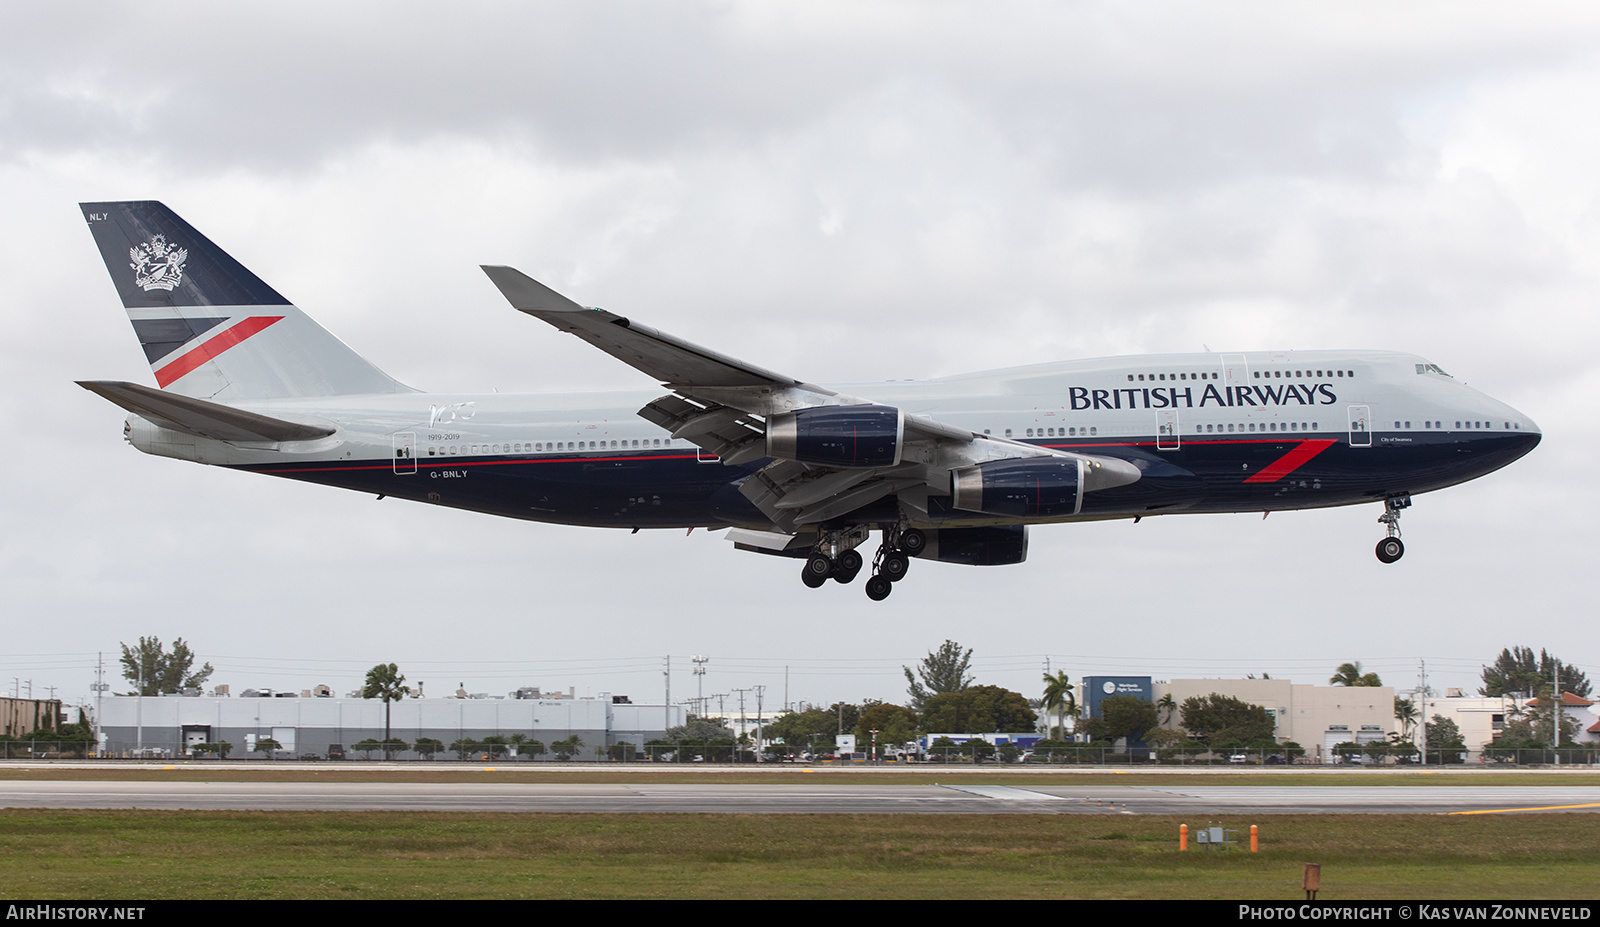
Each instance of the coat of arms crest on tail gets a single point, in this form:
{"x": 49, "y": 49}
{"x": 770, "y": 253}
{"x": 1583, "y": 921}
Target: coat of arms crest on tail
{"x": 158, "y": 265}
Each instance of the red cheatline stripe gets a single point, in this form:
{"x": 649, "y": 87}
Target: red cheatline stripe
{"x": 1291, "y": 461}
{"x": 213, "y": 347}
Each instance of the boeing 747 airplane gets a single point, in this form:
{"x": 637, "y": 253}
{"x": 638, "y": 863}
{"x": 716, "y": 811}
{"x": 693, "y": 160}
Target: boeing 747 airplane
{"x": 952, "y": 469}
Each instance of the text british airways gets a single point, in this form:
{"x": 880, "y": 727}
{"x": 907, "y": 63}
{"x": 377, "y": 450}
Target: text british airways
{"x": 1171, "y": 397}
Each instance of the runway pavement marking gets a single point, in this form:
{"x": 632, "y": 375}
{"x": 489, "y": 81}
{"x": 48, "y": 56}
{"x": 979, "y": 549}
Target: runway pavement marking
{"x": 1514, "y": 810}
{"x": 1004, "y": 793}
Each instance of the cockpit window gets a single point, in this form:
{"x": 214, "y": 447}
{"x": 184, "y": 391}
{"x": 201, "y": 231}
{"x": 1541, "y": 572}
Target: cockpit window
{"x": 1432, "y": 368}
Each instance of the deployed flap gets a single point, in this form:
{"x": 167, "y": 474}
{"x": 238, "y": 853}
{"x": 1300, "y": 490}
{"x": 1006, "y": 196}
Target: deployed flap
{"x": 733, "y": 435}
{"x": 201, "y": 418}
{"x": 670, "y": 360}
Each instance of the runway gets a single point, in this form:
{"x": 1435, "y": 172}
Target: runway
{"x": 823, "y": 798}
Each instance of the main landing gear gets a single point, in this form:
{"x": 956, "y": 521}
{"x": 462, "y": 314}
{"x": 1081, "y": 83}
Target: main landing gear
{"x": 889, "y": 566}
{"x": 1392, "y": 548}
{"x": 893, "y": 560}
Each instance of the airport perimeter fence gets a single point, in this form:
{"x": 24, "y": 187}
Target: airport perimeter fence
{"x": 727, "y": 755}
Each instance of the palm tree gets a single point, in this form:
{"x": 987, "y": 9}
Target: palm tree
{"x": 1405, "y": 711}
{"x": 1166, "y": 706}
{"x": 384, "y": 681}
{"x": 1058, "y": 696}
{"x": 1349, "y": 674}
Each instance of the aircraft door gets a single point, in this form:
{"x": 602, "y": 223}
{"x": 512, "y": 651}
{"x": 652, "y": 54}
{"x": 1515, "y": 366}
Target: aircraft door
{"x": 1360, "y": 426}
{"x": 1167, "y": 430}
{"x": 1235, "y": 370}
{"x": 405, "y": 452}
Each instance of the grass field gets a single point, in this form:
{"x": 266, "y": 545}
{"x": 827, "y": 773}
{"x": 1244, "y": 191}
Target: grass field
{"x": 399, "y": 855}
{"x": 391, "y": 855}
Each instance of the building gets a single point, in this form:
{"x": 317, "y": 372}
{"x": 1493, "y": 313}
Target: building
{"x": 174, "y": 725}
{"x": 22, "y": 716}
{"x": 1317, "y": 718}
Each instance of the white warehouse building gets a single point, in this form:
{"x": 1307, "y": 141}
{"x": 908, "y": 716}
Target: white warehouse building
{"x": 174, "y": 725}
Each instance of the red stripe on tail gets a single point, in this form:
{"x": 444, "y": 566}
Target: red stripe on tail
{"x": 215, "y": 346}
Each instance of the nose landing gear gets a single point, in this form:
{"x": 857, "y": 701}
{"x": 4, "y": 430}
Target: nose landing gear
{"x": 1392, "y": 548}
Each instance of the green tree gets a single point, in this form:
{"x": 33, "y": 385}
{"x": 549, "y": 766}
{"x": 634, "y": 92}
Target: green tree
{"x": 566, "y": 748}
{"x": 978, "y": 710}
{"x": 1541, "y": 721}
{"x": 942, "y": 749}
{"x": 1445, "y": 743}
{"x": 1444, "y": 734}
{"x": 944, "y": 670}
{"x": 1058, "y": 697}
{"x": 266, "y": 746}
{"x": 464, "y": 747}
{"x": 527, "y": 746}
{"x": 697, "y": 730}
{"x": 1349, "y": 674}
{"x": 1124, "y": 716}
{"x": 496, "y": 745}
{"x": 426, "y": 747}
{"x": 807, "y": 728}
{"x": 367, "y": 746}
{"x": 384, "y": 681}
{"x": 1516, "y": 670}
{"x": 1405, "y": 711}
{"x": 1224, "y": 721}
{"x": 978, "y": 749}
{"x": 1167, "y": 707}
{"x": 895, "y": 724}
{"x": 153, "y": 671}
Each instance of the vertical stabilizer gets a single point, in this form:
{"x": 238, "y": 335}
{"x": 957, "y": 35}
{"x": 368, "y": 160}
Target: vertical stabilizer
{"x": 209, "y": 327}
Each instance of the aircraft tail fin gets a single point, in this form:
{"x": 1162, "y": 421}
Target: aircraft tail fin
{"x": 209, "y": 327}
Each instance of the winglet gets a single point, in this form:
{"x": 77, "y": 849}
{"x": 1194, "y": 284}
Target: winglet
{"x": 527, "y": 294}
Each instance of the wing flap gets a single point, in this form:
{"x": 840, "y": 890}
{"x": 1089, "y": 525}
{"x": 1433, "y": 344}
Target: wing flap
{"x": 200, "y": 417}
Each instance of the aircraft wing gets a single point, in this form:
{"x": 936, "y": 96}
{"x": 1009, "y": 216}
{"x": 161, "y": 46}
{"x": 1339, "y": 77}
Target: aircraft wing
{"x": 671, "y": 360}
{"x": 724, "y": 405}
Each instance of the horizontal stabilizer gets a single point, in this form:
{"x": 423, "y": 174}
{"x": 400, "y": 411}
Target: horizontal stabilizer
{"x": 201, "y": 418}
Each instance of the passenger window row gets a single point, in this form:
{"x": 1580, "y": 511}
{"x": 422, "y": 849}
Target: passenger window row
{"x": 538, "y": 447}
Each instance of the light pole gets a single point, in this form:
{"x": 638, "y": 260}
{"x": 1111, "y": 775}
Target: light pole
{"x": 700, "y": 661}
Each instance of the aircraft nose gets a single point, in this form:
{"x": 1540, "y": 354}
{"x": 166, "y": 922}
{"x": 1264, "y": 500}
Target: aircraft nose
{"x": 1527, "y": 433}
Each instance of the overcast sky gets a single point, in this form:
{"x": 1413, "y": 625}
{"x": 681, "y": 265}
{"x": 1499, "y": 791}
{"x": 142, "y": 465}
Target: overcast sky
{"x": 842, "y": 192}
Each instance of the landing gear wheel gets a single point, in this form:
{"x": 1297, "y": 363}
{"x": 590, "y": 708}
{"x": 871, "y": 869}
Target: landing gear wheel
{"x": 816, "y": 571}
{"x": 849, "y": 562}
{"x": 1390, "y": 548}
{"x": 912, "y": 541}
{"x": 895, "y": 566}
{"x": 878, "y": 588}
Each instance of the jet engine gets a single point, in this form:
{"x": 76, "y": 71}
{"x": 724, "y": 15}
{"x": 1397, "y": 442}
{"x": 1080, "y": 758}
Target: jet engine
{"x": 838, "y": 436}
{"x": 976, "y": 546}
{"x": 1047, "y": 487}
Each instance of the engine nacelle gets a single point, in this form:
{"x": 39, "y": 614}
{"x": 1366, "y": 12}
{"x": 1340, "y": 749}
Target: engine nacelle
{"x": 1036, "y": 487}
{"x": 977, "y": 546}
{"x": 838, "y": 436}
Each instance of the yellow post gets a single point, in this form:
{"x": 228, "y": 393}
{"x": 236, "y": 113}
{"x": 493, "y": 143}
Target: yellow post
{"x": 1253, "y": 844}
{"x": 1183, "y": 837}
